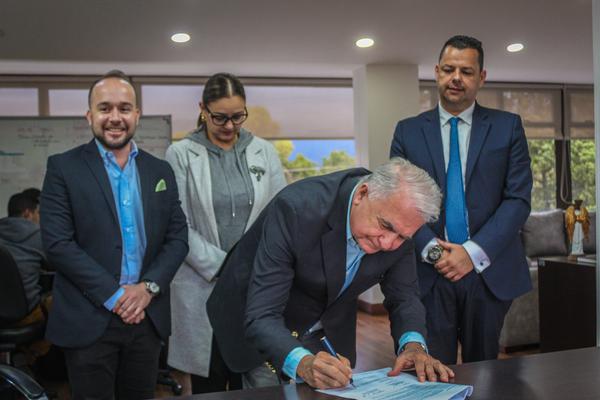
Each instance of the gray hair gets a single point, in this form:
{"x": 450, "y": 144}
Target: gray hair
{"x": 399, "y": 175}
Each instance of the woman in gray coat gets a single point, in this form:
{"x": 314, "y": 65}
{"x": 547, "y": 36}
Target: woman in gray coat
{"x": 225, "y": 176}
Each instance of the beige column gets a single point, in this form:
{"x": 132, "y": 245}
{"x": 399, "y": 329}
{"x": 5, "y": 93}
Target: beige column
{"x": 383, "y": 95}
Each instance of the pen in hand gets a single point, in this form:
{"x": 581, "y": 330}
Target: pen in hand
{"x": 327, "y": 344}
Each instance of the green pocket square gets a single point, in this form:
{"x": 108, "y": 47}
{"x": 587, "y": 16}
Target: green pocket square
{"x": 160, "y": 186}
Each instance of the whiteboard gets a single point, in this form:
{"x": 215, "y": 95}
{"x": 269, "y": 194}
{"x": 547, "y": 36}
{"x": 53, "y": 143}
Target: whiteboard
{"x": 26, "y": 143}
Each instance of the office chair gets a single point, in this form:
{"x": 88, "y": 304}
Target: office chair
{"x": 19, "y": 380}
{"x": 13, "y": 308}
{"x": 164, "y": 372}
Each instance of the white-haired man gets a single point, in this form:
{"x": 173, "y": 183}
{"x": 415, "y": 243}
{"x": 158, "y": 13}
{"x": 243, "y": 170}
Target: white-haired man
{"x": 296, "y": 275}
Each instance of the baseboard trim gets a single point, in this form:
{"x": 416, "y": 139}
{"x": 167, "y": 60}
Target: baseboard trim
{"x": 371, "y": 308}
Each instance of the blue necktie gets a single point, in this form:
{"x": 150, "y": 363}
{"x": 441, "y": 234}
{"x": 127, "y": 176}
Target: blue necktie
{"x": 456, "y": 216}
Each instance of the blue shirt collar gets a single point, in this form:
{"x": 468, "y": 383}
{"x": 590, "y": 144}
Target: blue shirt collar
{"x": 107, "y": 155}
{"x": 466, "y": 116}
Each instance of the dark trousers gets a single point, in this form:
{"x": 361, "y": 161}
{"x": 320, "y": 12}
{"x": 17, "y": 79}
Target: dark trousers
{"x": 466, "y": 312}
{"x": 220, "y": 377}
{"x": 122, "y": 364}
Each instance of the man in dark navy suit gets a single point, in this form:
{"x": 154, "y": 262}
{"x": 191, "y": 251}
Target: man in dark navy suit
{"x": 296, "y": 274}
{"x": 113, "y": 228}
{"x": 471, "y": 261}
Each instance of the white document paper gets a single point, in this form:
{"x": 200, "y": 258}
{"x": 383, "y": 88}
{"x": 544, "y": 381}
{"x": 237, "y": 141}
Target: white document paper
{"x": 376, "y": 385}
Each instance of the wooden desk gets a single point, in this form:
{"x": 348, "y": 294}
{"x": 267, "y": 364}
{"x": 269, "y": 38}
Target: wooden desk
{"x": 561, "y": 375}
{"x": 567, "y": 304}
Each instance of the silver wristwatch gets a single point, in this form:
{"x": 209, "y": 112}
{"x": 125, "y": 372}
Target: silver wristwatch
{"x": 152, "y": 288}
{"x": 423, "y": 346}
{"x": 434, "y": 254}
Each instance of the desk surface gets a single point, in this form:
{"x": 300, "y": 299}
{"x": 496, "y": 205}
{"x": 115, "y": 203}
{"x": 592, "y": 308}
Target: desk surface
{"x": 562, "y": 375}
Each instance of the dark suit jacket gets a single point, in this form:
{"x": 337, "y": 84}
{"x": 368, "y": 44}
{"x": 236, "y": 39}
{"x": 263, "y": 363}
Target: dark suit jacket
{"x": 82, "y": 239}
{"x": 498, "y": 185}
{"x": 285, "y": 274}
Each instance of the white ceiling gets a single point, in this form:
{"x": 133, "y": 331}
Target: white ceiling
{"x": 292, "y": 38}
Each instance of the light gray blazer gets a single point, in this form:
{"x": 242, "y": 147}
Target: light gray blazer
{"x": 190, "y": 341}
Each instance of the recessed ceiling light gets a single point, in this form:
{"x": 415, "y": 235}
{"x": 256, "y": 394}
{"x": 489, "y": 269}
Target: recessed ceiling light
{"x": 365, "y": 42}
{"x": 515, "y": 47}
{"x": 180, "y": 37}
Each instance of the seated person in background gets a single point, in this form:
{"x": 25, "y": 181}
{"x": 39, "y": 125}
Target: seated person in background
{"x": 20, "y": 235}
{"x": 296, "y": 275}
{"x": 34, "y": 193}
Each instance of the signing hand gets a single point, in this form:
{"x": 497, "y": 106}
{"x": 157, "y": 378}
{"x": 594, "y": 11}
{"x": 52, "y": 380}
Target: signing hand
{"x": 131, "y": 305}
{"x": 426, "y": 367}
{"x": 455, "y": 262}
{"x": 324, "y": 371}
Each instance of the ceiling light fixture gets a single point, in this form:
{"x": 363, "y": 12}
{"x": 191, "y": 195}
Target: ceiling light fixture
{"x": 365, "y": 42}
{"x": 515, "y": 47}
{"x": 180, "y": 37}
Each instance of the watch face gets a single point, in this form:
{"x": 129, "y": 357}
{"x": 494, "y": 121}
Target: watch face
{"x": 152, "y": 287}
{"x": 435, "y": 253}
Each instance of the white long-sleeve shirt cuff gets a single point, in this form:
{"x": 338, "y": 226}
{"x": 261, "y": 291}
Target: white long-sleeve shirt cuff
{"x": 480, "y": 260}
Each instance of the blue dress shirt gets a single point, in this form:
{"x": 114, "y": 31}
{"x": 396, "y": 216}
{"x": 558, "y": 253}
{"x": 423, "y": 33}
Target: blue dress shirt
{"x": 125, "y": 184}
{"x": 354, "y": 255}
